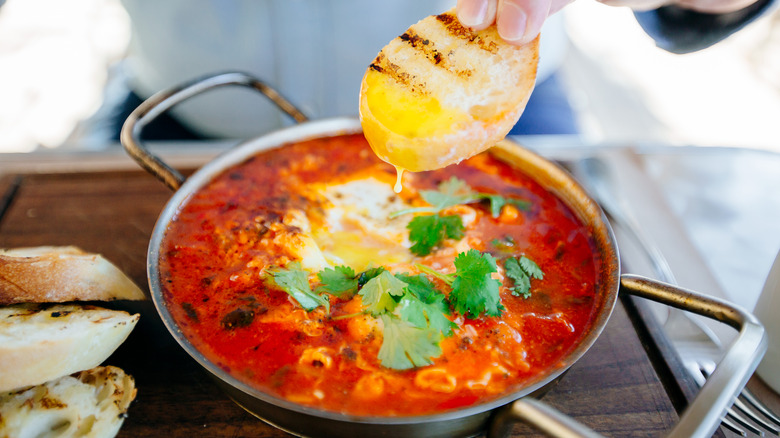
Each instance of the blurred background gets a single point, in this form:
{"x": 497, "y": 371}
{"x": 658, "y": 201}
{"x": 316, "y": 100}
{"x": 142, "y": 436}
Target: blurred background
{"x": 63, "y": 72}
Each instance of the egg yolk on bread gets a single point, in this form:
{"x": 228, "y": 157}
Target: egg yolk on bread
{"x": 441, "y": 93}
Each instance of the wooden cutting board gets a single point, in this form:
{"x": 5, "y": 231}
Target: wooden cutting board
{"x": 626, "y": 385}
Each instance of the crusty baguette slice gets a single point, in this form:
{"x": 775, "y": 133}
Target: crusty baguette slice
{"x": 40, "y": 342}
{"x": 92, "y": 403}
{"x": 56, "y": 274}
{"x": 441, "y": 93}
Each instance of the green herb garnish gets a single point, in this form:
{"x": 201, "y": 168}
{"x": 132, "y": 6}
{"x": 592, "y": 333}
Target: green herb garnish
{"x": 454, "y": 192}
{"x": 294, "y": 280}
{"x": 427, "y": 232}
{"x": 474, "y": 290}
{"x": 521, "y": 271}
{"x": 423, "y": 305}
{"x": 342, "y": 280}
{"x": 379, "y": 292}
{"x": 414, "y": 313}
{"x": 406, "y": 346}
{"x": 339, "y": 281}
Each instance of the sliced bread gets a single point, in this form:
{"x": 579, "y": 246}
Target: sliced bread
{"x": 441, "y": 93}
{"x": 58, "y": 274}
{"x": 41, "y": 342}
{"x": 91, "y": 403}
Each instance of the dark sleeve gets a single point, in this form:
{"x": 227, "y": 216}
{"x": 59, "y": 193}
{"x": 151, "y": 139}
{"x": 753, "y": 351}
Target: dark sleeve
{"x": 679, "y": 30}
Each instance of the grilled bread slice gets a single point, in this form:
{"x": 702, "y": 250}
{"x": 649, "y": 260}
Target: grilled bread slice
{"x": 48, "y": 274}
{"x": 41, "y": 342}
{"x": 441, "y": 93}
{"x": 91, "y": 403}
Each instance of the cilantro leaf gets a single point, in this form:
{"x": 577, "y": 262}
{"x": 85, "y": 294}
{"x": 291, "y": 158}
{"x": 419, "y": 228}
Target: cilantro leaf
{"x": 521, "y": 271}
{"x": 338, "y": 281}
{"x": 452, "y": 226}
{"x": 405, "y": 346}
{"x": 426, "y": 232}
{"x": 422, "y": 314}
{"x": 455, "y": 192}
{"x": 474, "y": 290}
{"x": 379, "y": 291}
{"x": 423, "y": 305}
{"x": 531, "y": 268}
{"x": 420, "y": 286}
{"x": 368, "y": 274}
{"x": 451, "y": 193}
{"x": 497, "y": 202}
{"x": 429, "y": 231}
{"x": 295, "y": 281}
{"x": 522, "y": 283}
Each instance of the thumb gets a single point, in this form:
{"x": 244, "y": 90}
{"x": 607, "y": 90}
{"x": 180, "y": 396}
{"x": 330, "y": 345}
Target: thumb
{"x": 519, "y": 21}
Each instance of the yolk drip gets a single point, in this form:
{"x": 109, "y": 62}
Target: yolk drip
{"x": 399, "y": 172}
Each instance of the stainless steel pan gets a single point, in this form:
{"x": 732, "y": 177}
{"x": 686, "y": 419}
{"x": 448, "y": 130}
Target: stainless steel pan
{"x": 496, "y": 416}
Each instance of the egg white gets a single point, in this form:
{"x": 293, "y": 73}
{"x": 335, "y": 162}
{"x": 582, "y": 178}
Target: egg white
{"x": 352, "y": 227}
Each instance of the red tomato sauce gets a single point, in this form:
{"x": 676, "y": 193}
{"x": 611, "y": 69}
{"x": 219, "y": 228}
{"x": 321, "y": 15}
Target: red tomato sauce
{"x": 215, "y": 251}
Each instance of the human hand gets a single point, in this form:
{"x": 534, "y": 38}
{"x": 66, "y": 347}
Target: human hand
{"x": 519, "y": 21}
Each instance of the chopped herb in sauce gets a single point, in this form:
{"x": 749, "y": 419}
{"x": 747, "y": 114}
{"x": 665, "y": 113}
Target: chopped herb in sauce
{"x": 238, "y": 318}
{"x": 190, "y": 311}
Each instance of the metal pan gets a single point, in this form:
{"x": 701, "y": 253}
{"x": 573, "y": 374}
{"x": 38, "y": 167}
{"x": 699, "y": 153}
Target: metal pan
{"x": 496, "y": 416}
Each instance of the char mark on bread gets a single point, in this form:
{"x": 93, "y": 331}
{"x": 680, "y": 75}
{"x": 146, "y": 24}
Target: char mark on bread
{"x": 454, "y": 28}
{"x": 423, "y": 45}
{"x": 382, "y": 65}
{"x": 427, "y": 48}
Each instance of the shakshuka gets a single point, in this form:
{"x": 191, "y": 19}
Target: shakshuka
{"x": 303, "y": 274}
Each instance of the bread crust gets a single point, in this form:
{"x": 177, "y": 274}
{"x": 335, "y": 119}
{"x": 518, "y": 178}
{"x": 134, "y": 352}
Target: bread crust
{"x": 40, "y": 342}
{"x": 56, "y": 274}
{"x": 475, "y": 72}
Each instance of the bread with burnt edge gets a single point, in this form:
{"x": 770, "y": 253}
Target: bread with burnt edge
{"x": 88, "y": 404}
{"x": 41, "y": 342}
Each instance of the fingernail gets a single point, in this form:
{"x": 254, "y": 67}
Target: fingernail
{"x": 511, "y": 22}
{"x": 472, "y": 13}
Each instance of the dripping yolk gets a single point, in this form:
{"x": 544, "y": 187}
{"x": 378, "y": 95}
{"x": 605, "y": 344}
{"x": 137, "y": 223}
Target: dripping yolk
{"x": 399, "y": 172}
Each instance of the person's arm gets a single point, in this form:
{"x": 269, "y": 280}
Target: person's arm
{"x": 679, "y": 26}
{"x": 680, "y": 30}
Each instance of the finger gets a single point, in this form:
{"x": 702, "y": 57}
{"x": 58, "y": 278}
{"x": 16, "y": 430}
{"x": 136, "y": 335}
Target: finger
{"x": 476, "y": 14}
{"x": 519, "y": 21}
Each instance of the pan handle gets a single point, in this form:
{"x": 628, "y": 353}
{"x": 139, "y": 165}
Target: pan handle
{"x": 164, "y": 100}
{"x": 702, "y": 417}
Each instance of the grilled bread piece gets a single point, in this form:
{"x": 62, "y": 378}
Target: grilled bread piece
{"x": 91, "y": 403}
{"x": 59, "y": 274}
{"x": 441, "y": 93}
{"x": 41, "y": 342}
